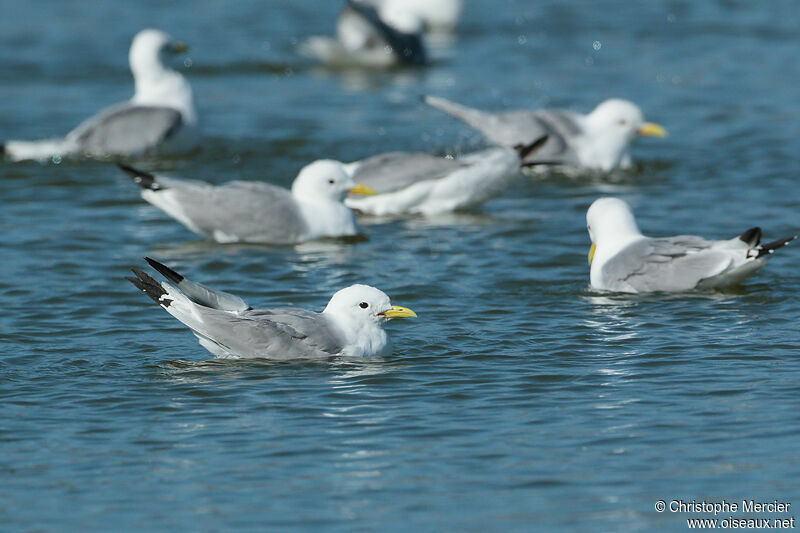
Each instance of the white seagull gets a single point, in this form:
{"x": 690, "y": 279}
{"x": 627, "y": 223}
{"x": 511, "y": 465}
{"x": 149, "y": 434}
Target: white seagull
{"x": 350, "y": 325}
{"x": 257, "y": 212}
{"x": 599, "y": 140}
{"x": 162, "y": 105}
{"x": 367, "y": 37}
{"x": 419, "y": 183}
{"x": 624, "y": 260}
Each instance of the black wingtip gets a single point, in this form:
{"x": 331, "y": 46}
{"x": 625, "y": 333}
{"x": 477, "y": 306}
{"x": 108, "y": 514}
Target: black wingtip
{"x": 2, "y": 150}
{"x": 751, "y": 237}
{"x": 537, "y": 162}
{"x": 131, "y": 171}
{"x": 525, "y": 150}
{"x": 150, "y": 287}
{"x": 769, "y": 247}
{"x": 143, "y": 179}
{"x": 165, "y": 271}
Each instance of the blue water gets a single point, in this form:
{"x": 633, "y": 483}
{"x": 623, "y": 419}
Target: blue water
{"x": 519, "y": 399}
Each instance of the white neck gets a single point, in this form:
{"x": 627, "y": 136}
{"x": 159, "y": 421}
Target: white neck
{"x": 157, "y": 85}
{"x": 327, "y": 218}
{"x": 600, "y": 150}
{"x": 363, "y": 339}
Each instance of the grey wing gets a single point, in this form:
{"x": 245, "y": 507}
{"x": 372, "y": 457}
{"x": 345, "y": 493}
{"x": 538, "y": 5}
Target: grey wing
{"x": 126, "y": 129}
{"x": 524, "y": 127}
{"x": 199, "y": 293}
{"x": 245, "y": 211}
{"x": 396, "y": 170}
{"x": 274, "y": 334}
{"x": 669, "y": 264}
{"x": 513, "y": 128}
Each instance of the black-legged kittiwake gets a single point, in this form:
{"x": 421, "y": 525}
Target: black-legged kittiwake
{"x": 257, "y": 212}
{"x": 409, "y": 182}
{"x": 369, "y": 37}
{"x": 350, "y": 325}
{"x": 624, "y": 260}
{"x": 160, "y": 108}
{"x": 599, "y": 140}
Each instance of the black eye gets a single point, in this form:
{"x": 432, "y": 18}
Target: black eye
{"x": 623, "y": 122}
{"x": 363, "y": 305}
{"x": 331, "y": 181}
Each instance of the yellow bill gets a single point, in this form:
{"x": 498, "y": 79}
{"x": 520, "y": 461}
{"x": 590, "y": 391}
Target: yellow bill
{"x": 650, "y": 129}
{"x": 179, "y": 48}
{"x": 591, "y": 252}
{"x": 399, "y": 312}
{"x": 362, "y": 189}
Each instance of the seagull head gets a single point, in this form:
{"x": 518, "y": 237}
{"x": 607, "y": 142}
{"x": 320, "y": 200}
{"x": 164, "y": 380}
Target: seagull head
{"x": 611, "y": 225}
{"x": 614, "y": 124}
{"x": 326, "y": 180}
{"x": 359, "y": 311}
{"x": 360, "y": 304}
{"x": 156, "y": 84}
{"x": 623, "y": 119}
{"x": 148, "y": 48}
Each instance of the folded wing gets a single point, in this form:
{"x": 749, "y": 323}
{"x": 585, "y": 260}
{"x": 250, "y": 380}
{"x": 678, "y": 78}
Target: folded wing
{"x": 396, "y": 170}
{"x": 671, "y": 264}
{"x": 238, "y": 211}
{"x": 126, "y": 129}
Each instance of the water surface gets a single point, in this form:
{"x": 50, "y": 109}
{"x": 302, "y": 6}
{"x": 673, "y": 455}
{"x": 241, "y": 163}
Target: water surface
{"x": 519, "y": 399}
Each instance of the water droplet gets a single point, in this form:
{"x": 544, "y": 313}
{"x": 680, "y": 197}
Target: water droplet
{"x": 597, "y": 45}
{"x": 57, "y": 159}
{"x": 188, "y": 62}
{"x": 522, "y": 39}
{"x": 671, "y": 17}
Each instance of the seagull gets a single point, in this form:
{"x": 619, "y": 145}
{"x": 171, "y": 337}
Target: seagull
{"x": 420, "y": 183}
{"x": 624, "y": 260}
{"x": 161, "y": 106}
{"x": 436, "y": 15}
{"x": 257, "y": 212}
{"x": 366, "y": 37}
{"x": 350, "y": 325}
{"x": 599, "y": 140}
